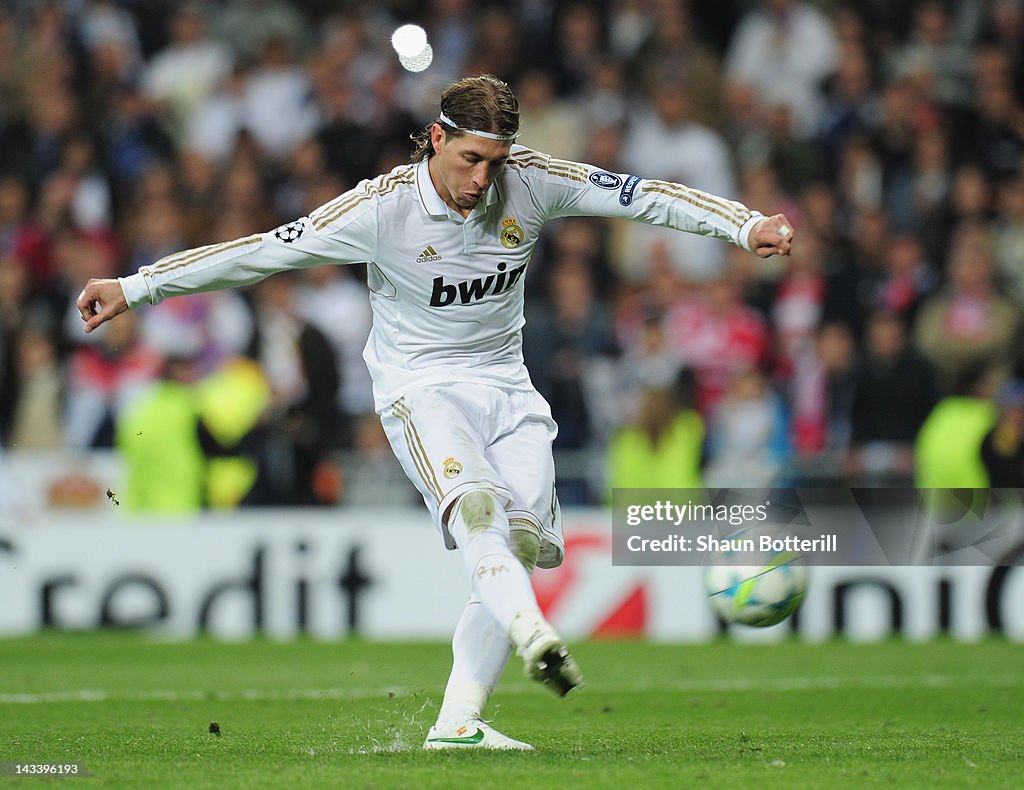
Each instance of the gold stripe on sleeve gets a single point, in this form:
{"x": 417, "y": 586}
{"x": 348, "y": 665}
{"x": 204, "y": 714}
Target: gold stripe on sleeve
{"x": 731, "y": 218}
{"x": 177, "y": 262}
{"x": 696, "y": 197}
{"x": 389, "y": 184}
{"x": 572, "y": 167}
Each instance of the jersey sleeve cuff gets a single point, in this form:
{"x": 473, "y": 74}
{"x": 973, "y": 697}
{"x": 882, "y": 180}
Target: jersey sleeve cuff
{"x": 746, "y": 227}
{"x": 136, "y": 290}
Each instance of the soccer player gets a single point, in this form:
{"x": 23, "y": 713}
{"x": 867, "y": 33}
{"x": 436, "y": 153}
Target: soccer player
{"x": 447, "y": 240}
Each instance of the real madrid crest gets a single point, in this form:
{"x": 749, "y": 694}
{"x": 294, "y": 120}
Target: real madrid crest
{"x": 511, "y": 233}
{"x": 452, "y": 468}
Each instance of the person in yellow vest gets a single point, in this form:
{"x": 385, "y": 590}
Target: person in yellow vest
{"x": 157, "y": 438}
{"x": 947, "y": 453}
{"x": 182, "y": 449}
{"x": 662, "y": 447}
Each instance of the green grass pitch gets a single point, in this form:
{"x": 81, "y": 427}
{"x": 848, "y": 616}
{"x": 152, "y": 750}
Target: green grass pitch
{"x": 137, "y": 712}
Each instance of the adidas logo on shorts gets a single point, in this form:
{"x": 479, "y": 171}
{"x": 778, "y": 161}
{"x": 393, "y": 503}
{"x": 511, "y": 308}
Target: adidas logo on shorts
{"x": 429, "y": 255}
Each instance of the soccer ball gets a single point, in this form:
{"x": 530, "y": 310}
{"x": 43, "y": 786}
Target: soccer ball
{"x": 757, "y": 595}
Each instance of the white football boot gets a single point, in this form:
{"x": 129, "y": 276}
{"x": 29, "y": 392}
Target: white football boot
{"x": 473, "y": 733}
{"x": 544, "y": 652}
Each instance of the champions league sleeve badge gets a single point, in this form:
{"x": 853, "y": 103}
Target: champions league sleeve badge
{"x": 290, "y": 233}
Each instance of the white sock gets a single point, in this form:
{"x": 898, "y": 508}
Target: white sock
{"x": 480, "y": 650}
{"x": 499, "y": 579}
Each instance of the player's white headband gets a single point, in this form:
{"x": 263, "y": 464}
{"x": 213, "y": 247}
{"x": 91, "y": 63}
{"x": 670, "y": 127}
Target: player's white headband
{"x": 489, "y": 135}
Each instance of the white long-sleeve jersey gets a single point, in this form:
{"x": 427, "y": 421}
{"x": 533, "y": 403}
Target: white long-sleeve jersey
{"x": 446, "y": 291}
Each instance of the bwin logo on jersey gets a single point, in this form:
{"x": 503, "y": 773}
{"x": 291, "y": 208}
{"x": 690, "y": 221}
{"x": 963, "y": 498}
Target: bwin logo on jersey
{"x": 605, "y": 180}
{"x": 468, "y": 291}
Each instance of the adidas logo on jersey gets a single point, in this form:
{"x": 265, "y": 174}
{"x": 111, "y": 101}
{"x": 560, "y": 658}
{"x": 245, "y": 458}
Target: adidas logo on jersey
{"x": 429, "y": 255}
{"x": 468, "y": 291}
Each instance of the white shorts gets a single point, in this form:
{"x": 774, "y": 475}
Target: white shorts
{"x": 453, "y": 438}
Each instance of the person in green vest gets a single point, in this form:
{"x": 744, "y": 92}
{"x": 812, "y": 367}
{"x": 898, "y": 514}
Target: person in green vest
{"x": 662, "y": 447}
{"x": 157, "y": 438}
{"x": 182, "y": 447}
{"x": 947, "y": 453}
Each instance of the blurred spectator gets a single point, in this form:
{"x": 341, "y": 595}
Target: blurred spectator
{"x": 671, "y": 44}
{"x": 20, "y": 235}
{"x": 1002, "y": 449}
{"x": 968, "y": 323}
{"x": 605, "y": 106}
{"x": 77, "y": 256}
{"x": 663, "y": 132}
{"x": 918, "y": 205}
{"x": 336, "y": 301}
{"x": 549, "y": 124}
{"x": 1003, "y": 33}
{"x": 134, "y": 139}
{"x": 166, "y": 443}
{"x": 187, "y": 71}
{"x": 970, "y": 198}
{"x": 450, "y": 28}
{"x": 302, "y": 428}
{"x": 249, "y": 24}
{"x": 212, "y": 127}
{"x": 375, "y": 476}
{"x": 851, "y": 102}
{"x": 748, "y": 437}
{"x": 893, "y": 392}
{"x": 105, "y": 23}
{"x": 498, "y": 47}
{"x": 158, "y": 230}
{"x": 293, "y": 194}
{"x": 579, "y": 38}
{"x": 661, "y": 447}
{"x": 383, "y": 117}
{"x": 822, "y": 392}
{"x": 783, "y": 49}
{"x": 16, "y": 318}
{"x": 994, "y": 139}
{"x": 905, "y": 280}
{"x": 798, "y": 305}
{"x": 947, "y": 452}
{"x": 1008, "y": 236}
{"x": 102, "y": 380}
{"x": 938, "y": 63}
{"x": 278, "y": 108}
{"x": 717, "y": 336}
{"x": 230, "y": 403}
{"x": 158, "y": 438}
{"x": 81, "y": 179}
{"x": 649, "y": 363}
{"x": 36, "y": 420}
{"x": 559, "y": 338}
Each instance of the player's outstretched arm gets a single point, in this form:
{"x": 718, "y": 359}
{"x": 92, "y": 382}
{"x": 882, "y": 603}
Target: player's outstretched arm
{"x": 100, "y": 301}
{"x": 771, "y": 236}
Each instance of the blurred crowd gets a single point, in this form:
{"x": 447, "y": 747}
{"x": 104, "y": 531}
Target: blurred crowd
{"x": 886, "y": 350}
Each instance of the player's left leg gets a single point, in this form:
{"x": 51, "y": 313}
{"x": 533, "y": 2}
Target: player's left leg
{"x": 480, "y": 650}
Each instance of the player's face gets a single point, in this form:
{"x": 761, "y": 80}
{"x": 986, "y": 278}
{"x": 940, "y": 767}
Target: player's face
{"x": 464, "y": 167}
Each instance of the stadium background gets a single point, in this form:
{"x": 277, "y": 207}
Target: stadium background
{"x": 884, "y": 352}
